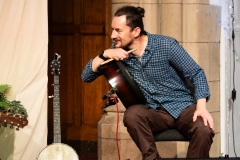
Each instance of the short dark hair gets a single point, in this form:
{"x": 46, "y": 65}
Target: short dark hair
{"x": 133, "y": 16}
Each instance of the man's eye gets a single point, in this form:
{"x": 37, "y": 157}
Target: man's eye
{"x": 117, "y": 30}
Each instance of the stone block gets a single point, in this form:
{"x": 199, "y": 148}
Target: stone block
{"x": 108, "y": 149}
{"x": 129, "y": 150}
{"x": 152, "y": 17}
{"x": 171, "y": 1}
{"x": 216, "y": 120}
{"x": 195, "y": 1}
{"x": 182, "y": 148}
{"x": 201, "y": 23}
{"x": 214, "y": 66}
{"x": 167, "y": 149}
{"x": 171, "y": 20}
{"x": 215, "y": 148}
{"x": 108, "y": 127}
{"x": 213, "y": 104}
{"x": 185, "y": 1}
{"x": 200, "y": 53}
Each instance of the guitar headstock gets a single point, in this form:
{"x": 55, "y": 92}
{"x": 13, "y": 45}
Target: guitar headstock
{"x": 17, "y": 120}
{"x": 56, "y": 65}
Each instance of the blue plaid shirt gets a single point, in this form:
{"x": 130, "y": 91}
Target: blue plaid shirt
{"x": 161, "y": 75}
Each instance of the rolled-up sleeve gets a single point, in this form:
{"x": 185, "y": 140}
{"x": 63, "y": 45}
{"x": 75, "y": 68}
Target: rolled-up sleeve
{"x": 88, "y": 75}
{"x": 190, "y": 69}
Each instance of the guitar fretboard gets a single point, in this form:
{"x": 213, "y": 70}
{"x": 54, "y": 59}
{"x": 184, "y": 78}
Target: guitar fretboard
{"x": 56, "y": 111}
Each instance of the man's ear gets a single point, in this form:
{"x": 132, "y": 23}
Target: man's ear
{"x": 137, "y": 32}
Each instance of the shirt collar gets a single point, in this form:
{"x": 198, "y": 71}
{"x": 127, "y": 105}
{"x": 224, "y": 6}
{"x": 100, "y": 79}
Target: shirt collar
{"x": 149, "y": 46}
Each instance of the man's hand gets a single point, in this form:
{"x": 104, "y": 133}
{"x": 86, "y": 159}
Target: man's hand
{"x": 116, "y": 53}
{"x": 203, "y": 112}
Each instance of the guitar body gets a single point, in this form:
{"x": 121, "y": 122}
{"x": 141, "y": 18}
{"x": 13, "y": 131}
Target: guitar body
{"x": 58, "y": 151}
{"x": 118, "y": 77}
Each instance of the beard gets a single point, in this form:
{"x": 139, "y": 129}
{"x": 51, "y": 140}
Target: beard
{"x": 123, "y": 46}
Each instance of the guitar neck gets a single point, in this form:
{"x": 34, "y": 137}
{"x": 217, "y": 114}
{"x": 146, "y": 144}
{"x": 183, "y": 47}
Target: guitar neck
{"x": 56, "y": 111}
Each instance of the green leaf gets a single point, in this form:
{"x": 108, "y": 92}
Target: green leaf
{"x": 4, "y": 87}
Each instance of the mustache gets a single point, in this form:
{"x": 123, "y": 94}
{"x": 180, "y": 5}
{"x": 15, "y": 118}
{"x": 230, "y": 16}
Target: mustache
{"x": 114, "y": 41}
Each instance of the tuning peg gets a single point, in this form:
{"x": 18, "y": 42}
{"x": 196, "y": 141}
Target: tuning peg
{"x": 51, "y": 96}
{"x": 17, "y": 127}
{"x": 24, "y": 122}
{"x": 11, "y": 126}
{"x": 5, "y": 123}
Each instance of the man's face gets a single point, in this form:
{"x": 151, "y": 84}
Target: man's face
{"x": 121, "y": 33}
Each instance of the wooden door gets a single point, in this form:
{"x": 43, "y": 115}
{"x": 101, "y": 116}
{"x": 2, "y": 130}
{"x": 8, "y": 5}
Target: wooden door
{"x": 78, "y": 31}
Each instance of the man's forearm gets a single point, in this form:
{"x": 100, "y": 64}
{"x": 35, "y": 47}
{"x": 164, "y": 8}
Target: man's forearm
{"x": 96, "y": 63}
{"x": 201, "y": 103}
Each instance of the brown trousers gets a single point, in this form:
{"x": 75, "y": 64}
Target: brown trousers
{"x": 143, "y": 122}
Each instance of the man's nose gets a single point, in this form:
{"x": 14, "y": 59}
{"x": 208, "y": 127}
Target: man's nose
{"x": 114, "y": 34}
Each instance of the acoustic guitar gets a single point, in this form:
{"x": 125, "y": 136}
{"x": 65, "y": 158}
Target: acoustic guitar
{"x": 8, "y": 118}
{"x": 122, "y": 82}
{"x": 57, "y": 150}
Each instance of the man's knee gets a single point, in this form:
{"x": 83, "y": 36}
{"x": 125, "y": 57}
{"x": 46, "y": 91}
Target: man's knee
{"x": 203, "y": 132}
{"x": 133, "y": 115}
